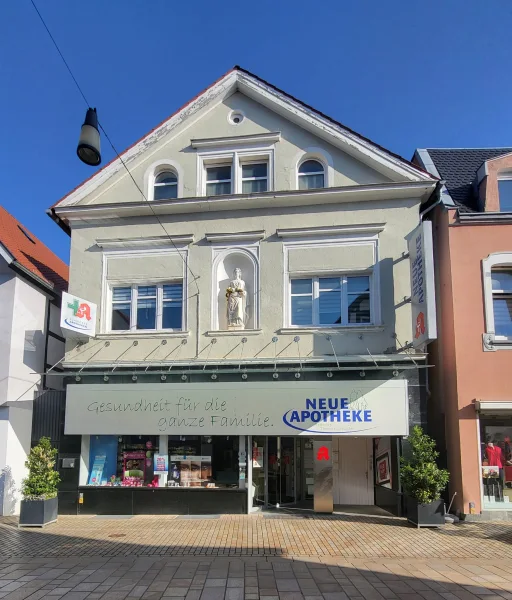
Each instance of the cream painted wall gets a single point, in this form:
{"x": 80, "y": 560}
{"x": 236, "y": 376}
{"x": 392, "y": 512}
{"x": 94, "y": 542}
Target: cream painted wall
{"x": 400, "y": 218}
{"x": 258, "y": 119}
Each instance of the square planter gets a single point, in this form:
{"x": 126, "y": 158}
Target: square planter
{"x": 425, "y": 515}
{"x": 38, "y": 513}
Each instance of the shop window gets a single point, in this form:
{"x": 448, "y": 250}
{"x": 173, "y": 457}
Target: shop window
{"x": 147, "y": 307}
{"x": 330, "y": 301}
{"x": 496, "y": 461}
{"x": 192, "y": 461}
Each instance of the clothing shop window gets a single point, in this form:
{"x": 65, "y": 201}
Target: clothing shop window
{"x": 147, "y": 307}
{"x": 502, "y": 301}
{"x": 311, "y": 175}
{"x": 330, "y": 301}
{"x": 166, "y": 186}
{"x": 496, "y": 461}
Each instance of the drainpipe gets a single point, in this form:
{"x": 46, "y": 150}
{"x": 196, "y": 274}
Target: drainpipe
{"x": 437, "y": 191}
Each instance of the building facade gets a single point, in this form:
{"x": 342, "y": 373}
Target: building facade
{"x": 32, "y": 279}
{"x": 470, "y": 393}
{"x": 252, "y": 287}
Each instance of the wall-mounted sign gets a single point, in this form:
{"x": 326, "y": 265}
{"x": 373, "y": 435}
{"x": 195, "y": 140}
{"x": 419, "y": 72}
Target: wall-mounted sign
{"x": 77, "y": 316}
{"x": 423, "y": 298}
{"x": 371, "y": 408}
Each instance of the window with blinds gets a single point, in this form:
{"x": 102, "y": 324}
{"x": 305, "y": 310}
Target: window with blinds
{"x": 147, "y": 307}
{"x": 502, "y": 301}
{"x": 330, "y": 301}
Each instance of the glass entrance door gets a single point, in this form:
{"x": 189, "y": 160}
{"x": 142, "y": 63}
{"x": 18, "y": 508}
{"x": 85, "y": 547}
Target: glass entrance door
{"x": 281, "y": 470}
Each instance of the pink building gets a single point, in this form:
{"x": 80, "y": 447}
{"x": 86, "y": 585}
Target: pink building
{"x": 470, "y": 381}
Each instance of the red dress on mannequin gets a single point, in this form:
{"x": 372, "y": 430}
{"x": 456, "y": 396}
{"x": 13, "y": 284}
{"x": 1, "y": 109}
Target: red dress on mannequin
{"x": 494, "y": 456}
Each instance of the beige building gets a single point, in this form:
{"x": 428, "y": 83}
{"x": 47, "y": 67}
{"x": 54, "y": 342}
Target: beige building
{"x": 249, "y": 251}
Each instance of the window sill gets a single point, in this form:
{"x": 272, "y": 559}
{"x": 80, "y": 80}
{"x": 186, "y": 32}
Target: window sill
{"x": 135, "y": 335}
{"x": 491, "y": 342}
{"x": 229, "y": 332}
{"x": 327, "y": 330}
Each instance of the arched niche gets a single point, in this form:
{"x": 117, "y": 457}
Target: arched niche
{"x": 223, "y": 273}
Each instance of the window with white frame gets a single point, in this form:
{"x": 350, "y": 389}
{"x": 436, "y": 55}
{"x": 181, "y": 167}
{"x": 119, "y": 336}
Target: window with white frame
{"x": 237, "y": 173}
{"x": 218, "y": 180}
{"x": 330, "y": 301}
{"x": 166, "y": 186}
{"x": 311, "y": 175}
{"x": 147, "y": 307}
{"x": 502, "y": 301}
{"x": 254, "y": 177}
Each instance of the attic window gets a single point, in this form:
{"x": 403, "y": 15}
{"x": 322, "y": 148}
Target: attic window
{"x": 29, "y": 238}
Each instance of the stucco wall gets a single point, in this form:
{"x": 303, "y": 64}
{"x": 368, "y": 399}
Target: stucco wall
{"x": 465, "y": 372}
{"x": 399, "y": 217}
{"x": 258, "y": 119}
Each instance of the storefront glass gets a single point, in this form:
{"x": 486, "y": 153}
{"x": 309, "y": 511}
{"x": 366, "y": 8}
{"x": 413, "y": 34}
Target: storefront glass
{"x": 190, "y": 461}
{"x": 496, "y": 462}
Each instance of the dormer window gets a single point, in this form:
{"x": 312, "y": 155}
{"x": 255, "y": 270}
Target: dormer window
{"x": 311, "y": 175}
{"x": 166, "y": 186}
{"x": 505, "y": 192}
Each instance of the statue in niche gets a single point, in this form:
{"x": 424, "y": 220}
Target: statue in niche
{"x": 236, "y": 298}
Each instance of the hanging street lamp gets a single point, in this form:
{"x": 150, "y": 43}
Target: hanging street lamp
{"x": 88, "y": 148}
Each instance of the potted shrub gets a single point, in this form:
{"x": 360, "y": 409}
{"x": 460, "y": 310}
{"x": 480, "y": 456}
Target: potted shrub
{"x": 39, "y": 490}
{"x": 423, "y": 481}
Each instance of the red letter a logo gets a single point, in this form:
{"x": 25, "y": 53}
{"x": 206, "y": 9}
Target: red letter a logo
{"x": 323, "y": 453}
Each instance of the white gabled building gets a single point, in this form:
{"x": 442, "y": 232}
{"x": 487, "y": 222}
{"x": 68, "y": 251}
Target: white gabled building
{"x": 252, "y": 284}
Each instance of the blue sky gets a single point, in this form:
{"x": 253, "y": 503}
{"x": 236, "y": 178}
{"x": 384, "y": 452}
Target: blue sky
{"x": 406, "y": 74}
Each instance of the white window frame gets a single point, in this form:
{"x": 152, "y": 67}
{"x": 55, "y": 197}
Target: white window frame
{"x": 322, "y": 172}
{"x": 159, "y": 167}
{"x": 320, "y": 155}
{"x": 134, "y": 300}
{"x": 243, "y": 179}
{"x": 235, "y": 157}
{"x": 343, "y": 299}
{"x": 493, "y": 262}
{"x": 166, "y": 185}
{"x": 213, "y": 166}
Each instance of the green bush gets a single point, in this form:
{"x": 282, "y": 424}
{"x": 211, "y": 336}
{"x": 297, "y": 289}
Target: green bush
{"x": 421, "y": 478}
{"x": 43, "y": 479}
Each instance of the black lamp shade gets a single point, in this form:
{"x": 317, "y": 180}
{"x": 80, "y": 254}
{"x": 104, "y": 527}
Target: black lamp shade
{"x": 88, "y": 149}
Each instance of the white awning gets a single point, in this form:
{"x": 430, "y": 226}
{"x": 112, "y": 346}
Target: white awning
{"x": 494, "y": 407}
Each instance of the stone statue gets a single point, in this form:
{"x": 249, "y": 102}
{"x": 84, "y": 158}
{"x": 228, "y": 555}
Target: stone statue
{"x": 236, "y": 297}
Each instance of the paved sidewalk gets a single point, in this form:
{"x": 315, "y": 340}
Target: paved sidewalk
{"x": 264, "y": 578}
{"x": 255, "y": 535}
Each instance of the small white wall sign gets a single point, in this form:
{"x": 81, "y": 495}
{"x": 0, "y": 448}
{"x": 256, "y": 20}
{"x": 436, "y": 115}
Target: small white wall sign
{"x": 77, "y": 317}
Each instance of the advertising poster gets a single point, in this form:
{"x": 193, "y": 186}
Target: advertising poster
{"x": 257, "y": 457}
{"x": 174, "y": 474}
{"x": 195, "y": 473}
{"x": 97, "y": 470}
{"x": 161, "y": 463}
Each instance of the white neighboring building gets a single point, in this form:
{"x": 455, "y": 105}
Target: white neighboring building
{"x": 32, "y": 279}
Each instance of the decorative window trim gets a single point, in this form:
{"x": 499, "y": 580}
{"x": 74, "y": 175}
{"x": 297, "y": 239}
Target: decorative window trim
{"x": 322, "y": 156}
{"x": 155, "y": 169}
{"x": 374, "y": 272}
{"x": 219, "y": 253}
{"x": 235, "y": 157}
{"x": 107, "y": 284}
{"x": 491, "y": 341}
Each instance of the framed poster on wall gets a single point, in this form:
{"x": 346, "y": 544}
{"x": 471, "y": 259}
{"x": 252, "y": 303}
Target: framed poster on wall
{"x": 382, "y": 471}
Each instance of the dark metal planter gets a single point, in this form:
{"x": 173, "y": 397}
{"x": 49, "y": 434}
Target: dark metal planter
{"x": 425, "y": 515}
{"x": 38, "y": 513}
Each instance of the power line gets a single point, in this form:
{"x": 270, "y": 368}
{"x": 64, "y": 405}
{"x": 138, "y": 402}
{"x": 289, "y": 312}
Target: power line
{"x": 159, "y": 221}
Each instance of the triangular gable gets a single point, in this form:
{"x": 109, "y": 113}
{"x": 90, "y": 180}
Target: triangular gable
{"x": 237, "y": 79}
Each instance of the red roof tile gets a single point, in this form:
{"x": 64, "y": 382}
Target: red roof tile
{"x": 31, "y": 253}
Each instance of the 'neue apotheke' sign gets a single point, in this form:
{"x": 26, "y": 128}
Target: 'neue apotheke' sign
{"x": 369, "y": 408}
